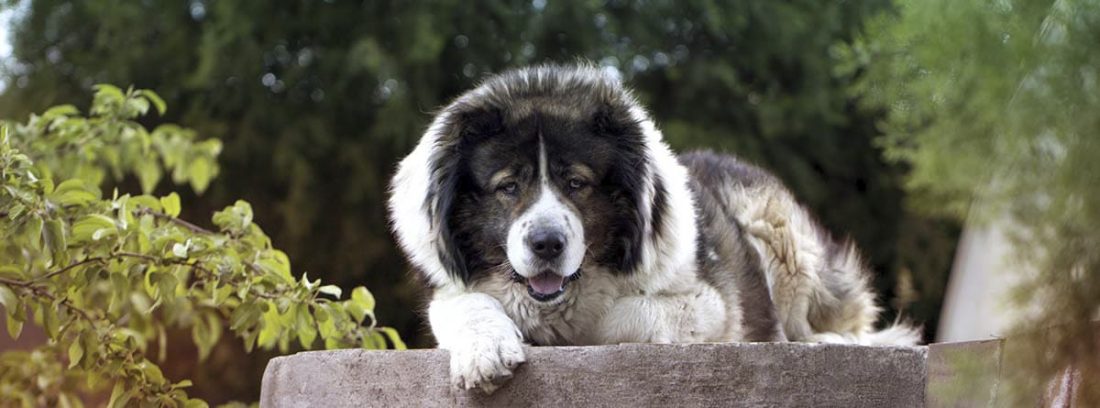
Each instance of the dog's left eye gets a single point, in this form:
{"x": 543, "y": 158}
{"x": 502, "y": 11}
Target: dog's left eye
{"x": 576, "y": 184}
{"x": 508, "y": 188}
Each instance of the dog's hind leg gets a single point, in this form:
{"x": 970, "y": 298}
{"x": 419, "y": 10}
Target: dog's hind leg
{"x": 790, "y": 253}
{"x": 820, "y": 287}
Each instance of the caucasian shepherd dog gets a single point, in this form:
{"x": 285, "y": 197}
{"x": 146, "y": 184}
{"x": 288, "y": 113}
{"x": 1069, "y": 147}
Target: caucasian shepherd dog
{"x": 543, "y": 207}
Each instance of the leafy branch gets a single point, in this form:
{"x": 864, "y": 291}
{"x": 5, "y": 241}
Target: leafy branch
{"x": 106, "y": 277}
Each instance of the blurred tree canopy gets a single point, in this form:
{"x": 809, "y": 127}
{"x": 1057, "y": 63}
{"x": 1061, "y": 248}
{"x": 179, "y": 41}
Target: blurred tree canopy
{"x": 1002, "y": 127}
{"x": 316, "y": 101}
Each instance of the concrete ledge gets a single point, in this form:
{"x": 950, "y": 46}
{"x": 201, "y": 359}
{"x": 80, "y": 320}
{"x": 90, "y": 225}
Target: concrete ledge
{"x": 744, "y": 374}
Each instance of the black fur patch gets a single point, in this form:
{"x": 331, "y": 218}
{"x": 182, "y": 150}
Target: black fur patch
{"x": 467, "y": 127}
{"x": 629, "y": 177}
{"x": 660, "y": 206}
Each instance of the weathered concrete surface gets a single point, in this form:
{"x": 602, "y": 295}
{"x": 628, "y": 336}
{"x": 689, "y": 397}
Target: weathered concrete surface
{"x": 635, "y": 375}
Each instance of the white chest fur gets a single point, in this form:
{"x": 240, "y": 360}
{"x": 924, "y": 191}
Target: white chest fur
{"x": 604, "y": 309}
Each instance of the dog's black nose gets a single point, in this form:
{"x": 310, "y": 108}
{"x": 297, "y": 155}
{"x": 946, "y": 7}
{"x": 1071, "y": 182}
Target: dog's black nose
{"x": 547, "y": 244}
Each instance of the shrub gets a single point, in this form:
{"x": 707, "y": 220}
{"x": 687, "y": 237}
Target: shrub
{"x": 106, "y": 277}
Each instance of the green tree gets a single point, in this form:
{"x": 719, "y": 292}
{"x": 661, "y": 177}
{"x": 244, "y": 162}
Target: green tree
{"x": 317, "y": 100}
{"x": 106, "y": 278}
{"x": 993, "y": 106}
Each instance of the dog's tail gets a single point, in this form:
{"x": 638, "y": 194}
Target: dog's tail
{"x": 897, "y": 334}
{"x": 846, "y": 310}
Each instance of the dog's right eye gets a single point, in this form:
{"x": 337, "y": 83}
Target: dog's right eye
{"x": 508, "y": 188}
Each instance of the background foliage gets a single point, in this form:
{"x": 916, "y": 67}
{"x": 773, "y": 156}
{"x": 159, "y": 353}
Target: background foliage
{"x": 1004, "y": 128}
{"x": 106, "y": 278}
{"x": 316, "y": 100}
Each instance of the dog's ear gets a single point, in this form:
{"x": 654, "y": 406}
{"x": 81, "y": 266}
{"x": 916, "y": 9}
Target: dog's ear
{"x": 638, "y": 196}
{"x": 613, "y": 120}
{"x": 477, "y": 124}
{"x": 642, "y": 202}
{"x": 463, "y": 129}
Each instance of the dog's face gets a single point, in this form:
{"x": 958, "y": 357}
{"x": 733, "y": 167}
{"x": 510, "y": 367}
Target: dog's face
{"x": 534, "y": 177}
{"x": 541, "y": 196}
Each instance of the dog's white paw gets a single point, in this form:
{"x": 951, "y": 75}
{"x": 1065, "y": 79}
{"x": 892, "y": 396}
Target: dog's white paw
{"x": 485, "y": 362}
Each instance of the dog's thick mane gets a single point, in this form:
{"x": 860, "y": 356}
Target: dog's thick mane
{"x": 583, "y": 85}
{"x": 663, "y": 234}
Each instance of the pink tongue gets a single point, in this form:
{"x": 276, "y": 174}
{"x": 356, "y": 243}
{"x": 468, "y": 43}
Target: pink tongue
{"x": 546, "y": 283}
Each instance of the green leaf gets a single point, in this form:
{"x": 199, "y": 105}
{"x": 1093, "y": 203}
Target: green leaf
{"x": 332, "y": 290}
{"x": 244, "y": 317}
{"x": 109, "y": 90}
{"x": 54, "y": 233}
{"x": 214, "y": 323}
{"x": 76, "y": 352}
{"x": 250, "y": 340}
{"x": 155, "y": 99}
{"x": 277, "y": 264}
{"x": 66, "y": 400}
{"x": 148, "y": 173}
{"x": 147, "y": 201}
{"x": 326, "y": 319}
{"x": 221, "y": 294}
{"x": 307, "y": 331}
{"x": 140, "y": 105}
{"x": 103, "y": 233}
{"x": 133, "y": 337}
{"x": 15, "y": 326}
{"x": 76, "y": 192}
{"x": 201, "y": 170}
{"x": 12, "y": 272}
{"x": 373, "y": 340}
{"x": 152, "y": 373}
{"x": 120, "y": 396}
{"x": 206, "y": 332}
{"x": 200, "y": 334}
{"x": 50, "y": 321}
{"x": 394, "y": 338}
{"x": 235, "y": 218}
{"x": 361, "y": 304}
{"x": 166, "y": 285}
{"x": 271, "y": 328}
{"x": 91, "y": 227}
{"x": 33, "y": 233}
{"x": 60, "y": 110}
{"x": 140, "y": 302}
{"x": 171, "y": 204}
{"x": 362, "y": 297}
{"x": 162, "y": 343}
{"x": 8, "y": 299}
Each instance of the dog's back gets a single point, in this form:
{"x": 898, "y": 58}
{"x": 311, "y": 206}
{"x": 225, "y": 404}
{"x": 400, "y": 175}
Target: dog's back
{"x": 794, "y": 281}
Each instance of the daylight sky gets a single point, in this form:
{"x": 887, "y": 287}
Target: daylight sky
{"x": 5, "y": 41}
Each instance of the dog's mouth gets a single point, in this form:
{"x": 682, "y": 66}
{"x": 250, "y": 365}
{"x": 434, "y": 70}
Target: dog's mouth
{"x": 547, "y": 285}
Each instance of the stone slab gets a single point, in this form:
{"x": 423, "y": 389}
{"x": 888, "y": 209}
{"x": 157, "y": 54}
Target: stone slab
{"x": 634, "y": 375}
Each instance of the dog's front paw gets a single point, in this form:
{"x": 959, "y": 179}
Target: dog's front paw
{"x": 485, "y": 362}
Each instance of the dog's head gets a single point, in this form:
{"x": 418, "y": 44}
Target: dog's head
{"x": 537, "y": 174}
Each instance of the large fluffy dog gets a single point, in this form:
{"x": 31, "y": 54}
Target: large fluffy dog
{"x": 543, "y": 207}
